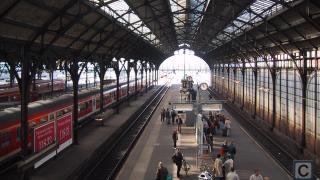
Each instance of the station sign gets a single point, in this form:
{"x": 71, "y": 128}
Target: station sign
{"x": 43, "y": 136}
{"x": 212, "y": 107}
{"x": 64, "y": 131}
{"x": 303, "y": 169}
{"x": 182, "y": 106}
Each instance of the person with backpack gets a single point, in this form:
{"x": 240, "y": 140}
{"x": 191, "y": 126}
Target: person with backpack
{"x": 162, "y": 172}
{"x": 177, "y": 159}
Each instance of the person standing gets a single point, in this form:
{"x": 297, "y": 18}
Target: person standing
{"x": 167, "y": 116}
{"x": 217, "y": 168}
{"x": 232, "y": 175}
{"x": 174, "y": 138}
{"x": 162, "y": 172}
{"x": 256, "y": 175}
{"x": 173, "y": 115}
{"x": 228, "y": 164}
{"x": 163, "y": 113}
{"x": 227, "y": 125}
{"x": 178, "y": 157}
{"x": 179, "y": 123}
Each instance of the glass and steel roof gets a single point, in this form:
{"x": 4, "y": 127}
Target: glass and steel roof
{"x": 187, "y": 16}
{"x": 247, "y": 19}
{"x": 121, "y": 11}
{"x": 204, "y": 24}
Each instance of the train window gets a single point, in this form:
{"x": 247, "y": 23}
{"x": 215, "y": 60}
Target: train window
{"x": 43, "y": 119}
{"x": 59, "y": 113}
{"x": 5, "y": 139}
{"x": 51, "y": 117}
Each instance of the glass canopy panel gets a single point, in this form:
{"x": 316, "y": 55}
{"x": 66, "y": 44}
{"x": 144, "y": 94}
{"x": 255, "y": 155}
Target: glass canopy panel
{"x": 187, "y": 15}
{"x": 121, "y": 11}
{"x": 252, "y": 15}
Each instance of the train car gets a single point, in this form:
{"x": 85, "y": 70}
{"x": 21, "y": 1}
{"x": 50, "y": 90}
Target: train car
{"x": 43, "y": 111}
{"x": 41, "y": 87}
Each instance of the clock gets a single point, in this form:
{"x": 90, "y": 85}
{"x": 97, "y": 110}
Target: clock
{"x": 203, "y": 86}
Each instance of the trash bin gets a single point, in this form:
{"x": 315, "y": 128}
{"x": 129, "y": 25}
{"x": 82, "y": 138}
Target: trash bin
{"x": 205, "y": 176}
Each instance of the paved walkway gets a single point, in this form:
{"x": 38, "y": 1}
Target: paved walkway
{"x": 155, "y": 145}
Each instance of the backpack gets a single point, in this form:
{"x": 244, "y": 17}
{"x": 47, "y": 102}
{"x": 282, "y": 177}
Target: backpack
{"x": 174, "y": 158}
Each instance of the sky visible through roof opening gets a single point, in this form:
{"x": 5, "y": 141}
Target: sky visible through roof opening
{"x": 184, "y": 59}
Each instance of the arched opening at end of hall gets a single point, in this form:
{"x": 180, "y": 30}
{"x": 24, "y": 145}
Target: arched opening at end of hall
{"x": 185, "y": 64}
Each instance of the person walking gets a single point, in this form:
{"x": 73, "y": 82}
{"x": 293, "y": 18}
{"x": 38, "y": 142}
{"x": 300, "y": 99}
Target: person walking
{"x": 232, "y": 175}
{"x": 177, "y": 158}
{"x": 232, "y": 150}
{"x": 162, "y": 172}
{"x": 173, "y": 115}
{"x": 256, "y": 175}
{"x": 167, "y": 116}
{"x": 174, "y": 138}
{"x": 179, "y": 123}
{"x": 163, "y": 113}
{"x": 227, "y": 125}
{"x": 228, "y": 164}
{"x": 217, "y": 168}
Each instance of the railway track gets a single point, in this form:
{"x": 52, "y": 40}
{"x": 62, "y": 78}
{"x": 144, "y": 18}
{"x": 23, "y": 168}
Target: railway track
{"x": 109, "y": 163}
{"x": 281, "y": 155}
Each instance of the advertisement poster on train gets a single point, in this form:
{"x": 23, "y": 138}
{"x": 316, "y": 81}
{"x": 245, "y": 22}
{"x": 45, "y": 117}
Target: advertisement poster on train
{"x": 64, "y": 131}
{"x": 44, "y": 136}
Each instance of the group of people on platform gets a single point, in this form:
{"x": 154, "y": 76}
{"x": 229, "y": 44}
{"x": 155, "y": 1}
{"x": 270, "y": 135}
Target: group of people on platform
{"x": 170, "y": 116}
{"x": 214, "y": 124}
{"x": 223, "y": 164}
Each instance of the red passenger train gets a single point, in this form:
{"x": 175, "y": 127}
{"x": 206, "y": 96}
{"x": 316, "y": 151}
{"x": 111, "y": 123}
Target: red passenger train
{"x": 8, "y": 94}
{"x": 43, "y": 111}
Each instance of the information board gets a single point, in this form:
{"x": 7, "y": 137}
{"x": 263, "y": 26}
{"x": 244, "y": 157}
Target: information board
{"x": 212, "y": 107}
{"x": 43, "y": 136}
{"x": 64, "y": 131}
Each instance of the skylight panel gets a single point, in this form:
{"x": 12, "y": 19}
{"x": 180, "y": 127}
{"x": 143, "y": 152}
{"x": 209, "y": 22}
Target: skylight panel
{"x": 253, "y": 14}
{"x": 121, "y": 11}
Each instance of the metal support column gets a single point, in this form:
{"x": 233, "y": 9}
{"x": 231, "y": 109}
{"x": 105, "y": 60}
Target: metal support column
{"x": 87, "y": 76}
{"x": 117, "y": 71}
{"x": 24, "y": 93}
{"x": 234, "y": 84}
{"x": 141, "y": 70}
{"x": 102, "y": 72}
{"x": 51, "y": 78}
{"x": 243, "y": 72}
{"x": 255, "y": 76}
{"x": 135, "y": 69}
{"x": 274, "y": 84}
{"x": 73, "y": 70}
{"x": 304, "y": 81}
{"x": 146, "y": 88}
{"x": 128, "y": 82}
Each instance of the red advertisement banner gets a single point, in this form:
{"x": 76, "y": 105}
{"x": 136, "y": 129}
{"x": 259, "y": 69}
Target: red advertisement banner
{"x": 64, "y": 129}
{"x": 43, "y": 136}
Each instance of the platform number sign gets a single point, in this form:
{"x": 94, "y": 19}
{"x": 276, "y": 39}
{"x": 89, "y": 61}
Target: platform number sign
{"x": 303, "y": 169}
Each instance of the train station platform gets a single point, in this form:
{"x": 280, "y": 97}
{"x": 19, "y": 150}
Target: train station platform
{"x": 91, "y": 137}
{"x": 155, "y": 144}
